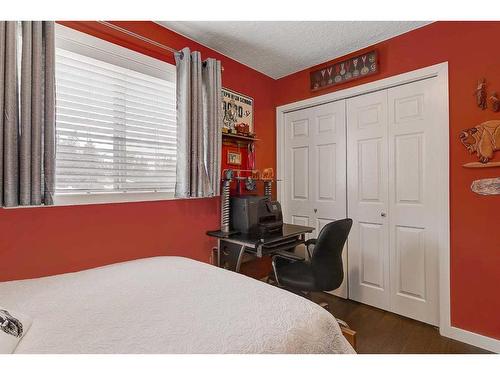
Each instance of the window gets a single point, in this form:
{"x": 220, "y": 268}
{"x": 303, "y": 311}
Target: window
{"x": 116, "y": 118}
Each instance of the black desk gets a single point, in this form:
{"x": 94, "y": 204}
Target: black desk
{"x": 231, "y": 246}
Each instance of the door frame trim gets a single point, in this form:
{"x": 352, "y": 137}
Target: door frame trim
{"x": 440, "y": 73}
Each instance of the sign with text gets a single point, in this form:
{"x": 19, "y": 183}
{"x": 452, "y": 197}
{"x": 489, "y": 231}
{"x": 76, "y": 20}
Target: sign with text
{"x": 344, "y": 71}
{"x": 237, "y": 110}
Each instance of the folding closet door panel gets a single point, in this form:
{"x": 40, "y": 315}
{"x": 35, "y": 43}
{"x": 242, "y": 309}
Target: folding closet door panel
{"x": 329, "y": 162}
{"x": 367, "y": 181}
{"x": 329, "y": 196}
{"x": 315, "y": 169}
{"x": 297, "y": 202}
{"x": 413, "y": 202}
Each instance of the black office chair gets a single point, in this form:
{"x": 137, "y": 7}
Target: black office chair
{"x": 324, "y": 269}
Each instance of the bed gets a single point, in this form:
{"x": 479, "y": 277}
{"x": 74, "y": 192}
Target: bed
{"x": 167, "y": 305}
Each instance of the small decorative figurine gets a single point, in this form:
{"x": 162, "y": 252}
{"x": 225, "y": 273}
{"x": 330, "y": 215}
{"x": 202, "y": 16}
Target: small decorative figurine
{"x": 250, "y": 184}
{"x": 268, "y": 174}
{"x": 242, "y": 129}
{"x": 228, "y": 174}
{"x": 481, "y": 94}
{"x": 256, "y": 174}
{"x": 495, "y": 102}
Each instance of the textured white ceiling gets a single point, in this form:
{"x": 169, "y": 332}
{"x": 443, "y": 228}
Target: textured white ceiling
{"x": 284, "y": 47}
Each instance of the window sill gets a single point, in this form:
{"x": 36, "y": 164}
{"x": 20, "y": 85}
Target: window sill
{"x": 103, "y": 198}
{"x": 106, "y": 198}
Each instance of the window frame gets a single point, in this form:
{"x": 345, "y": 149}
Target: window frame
{"x": 79, "y": 42}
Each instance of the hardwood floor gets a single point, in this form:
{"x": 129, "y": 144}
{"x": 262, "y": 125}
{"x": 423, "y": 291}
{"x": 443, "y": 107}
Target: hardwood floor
{"x": 379, "y": 331}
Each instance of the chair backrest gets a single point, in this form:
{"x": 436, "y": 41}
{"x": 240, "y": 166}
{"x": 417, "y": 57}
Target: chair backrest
{"x": 327, "y": 256}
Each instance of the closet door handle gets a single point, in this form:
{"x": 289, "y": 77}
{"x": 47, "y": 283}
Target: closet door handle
{"x": 383, "y": 214}
{"x": 315, "y": 210}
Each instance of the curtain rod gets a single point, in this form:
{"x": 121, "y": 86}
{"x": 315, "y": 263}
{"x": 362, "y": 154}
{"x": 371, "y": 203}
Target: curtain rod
{"x": 137, "y": 36}
{"x": 140, "y": 37}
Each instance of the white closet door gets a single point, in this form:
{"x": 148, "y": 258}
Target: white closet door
{"x": 315, "y": 169}
{"x": 367, "y": 176}
{"x": 413, "y": 207}
{"x": 297, "y": 202}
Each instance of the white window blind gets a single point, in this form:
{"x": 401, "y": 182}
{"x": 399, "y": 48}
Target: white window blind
{"x": 116, "y": 119}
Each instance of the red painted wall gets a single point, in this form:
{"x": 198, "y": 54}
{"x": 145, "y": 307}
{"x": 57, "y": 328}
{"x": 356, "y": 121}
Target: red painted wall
{"x": 471, "y": 51}
{"x": 50, "y": 240}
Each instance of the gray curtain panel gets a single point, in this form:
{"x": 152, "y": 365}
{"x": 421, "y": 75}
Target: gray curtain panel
{"x": 199, "y": 119}
{"x": 27, "y": 108}
{"x": 212, "y": 120}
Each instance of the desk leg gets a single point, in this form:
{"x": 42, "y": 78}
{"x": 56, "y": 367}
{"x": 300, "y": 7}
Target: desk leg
{"x": 218, "y": 252}
{"x": 240, "y": 257}
{"x": 230, "y": 255}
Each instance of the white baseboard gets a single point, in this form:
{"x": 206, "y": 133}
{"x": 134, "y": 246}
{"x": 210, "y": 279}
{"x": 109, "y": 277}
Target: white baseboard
{"x": 471, "y": 338}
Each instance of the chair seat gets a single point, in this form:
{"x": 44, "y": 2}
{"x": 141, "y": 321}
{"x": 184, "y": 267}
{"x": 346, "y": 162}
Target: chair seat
{"x": 297, "y": 275}
{"x": 325, "y": 270}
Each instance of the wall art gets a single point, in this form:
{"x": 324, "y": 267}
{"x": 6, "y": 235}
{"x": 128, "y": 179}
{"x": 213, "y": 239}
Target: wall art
{"x": 344, "y": 71}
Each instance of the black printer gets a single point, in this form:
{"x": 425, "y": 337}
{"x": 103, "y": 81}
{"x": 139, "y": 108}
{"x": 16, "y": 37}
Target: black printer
{"x": 256, "y": 214}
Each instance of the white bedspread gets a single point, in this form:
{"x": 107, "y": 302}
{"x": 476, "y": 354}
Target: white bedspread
{"x": 167, "y": 305}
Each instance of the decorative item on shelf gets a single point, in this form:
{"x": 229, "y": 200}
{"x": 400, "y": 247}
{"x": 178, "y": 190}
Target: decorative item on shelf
{"x": 243, "y": 129}
{"x": 484, "y": 140}
{"x": 487, "y": 186}
{"x": 233, "y": 158}
{"x": 238, "y": 113}
{"x": 228, "y": 174}
{"x": 495, "y": 102}
{"x": 251, "y": 155}
{"x": 480, "y": 94}
{"x": 344, "y": 71}
{"x": 268, "y": 174}
{"x": 250, "y": 184}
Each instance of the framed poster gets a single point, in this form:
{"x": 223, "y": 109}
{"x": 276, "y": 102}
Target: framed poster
{"x": 237, "y": 112}
{"x": 343, "y": 71}
{"x": 233, "y": 158}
